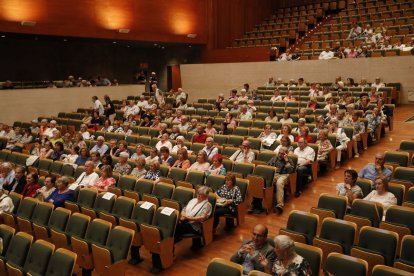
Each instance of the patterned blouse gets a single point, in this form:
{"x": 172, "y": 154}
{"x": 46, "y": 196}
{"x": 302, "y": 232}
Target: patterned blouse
{"x": 298, "y": 266}
{"x": 103, "y": 184}
{"x": 138, "y": 173}
{"x": 151, "y": 175}
{"x": 325, "y": 148}
{"x": 233, "y": 193}
{"x": 359, "y": 127}
{"x": 122, "y": 169}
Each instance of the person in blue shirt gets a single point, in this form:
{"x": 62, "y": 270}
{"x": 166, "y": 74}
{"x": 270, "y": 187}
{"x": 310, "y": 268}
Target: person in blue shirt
{"x": 61, "y": 194}
{"x": 372, "y": 171}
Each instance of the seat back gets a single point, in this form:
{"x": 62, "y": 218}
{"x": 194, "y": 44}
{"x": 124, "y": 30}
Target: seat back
{"x": 165, "y": 223}
{"x": 244, "y": 169}
{"x": 143, "y": 215}
{"x": 243, "y": 185}
{"x": 59, "y": 219}
{"x": 312, "y": 254}
{"x": 396, "y": 158}
{"x": 219, "y": 266}
{"x": 401, "y": 216}
{"x": 398, "y": 190}
{"x": 18, "y": 248}
{"x": 339, "y": 231}
{"x": 119, "y": 241}
{"x": 178, "y": 174}
{"x": 42, "y": 213}
{"x": 195, "y": 178}
{"x": 304, "y": 223}
{"x": 407, "y": 252}
{"x": 26, "y": 208}
{"x": 77, "y": 225}
{"x": 123, "y": 207}
{"x": 365, "y": 185}
{"x": 6, "y": 234}
{"x": 87, "y": 197}
{"x": 104, "y": 205}
{"x": 339, "y": 264}
{"x": 16, "y": 198}
{"x": 405, "y": 174}
{"x": 267, "y": 172}
{"x": 127, "y": 182}
{"x": 183, "y": 195}
{"x": 98, "y": 231}
{"x": 369, "y": 237}
{"x": 383, "y": 270}
{"x": 335, "y": 203}
{"x": 162, "y": 190}
{"x": 144, "y": 186}
{"x": 62, "y": 262}
{"x": 215, "y": 181}
{"x": 367, "y": 209}
{"x": 67, "y": 170}
{"x": 38, "y": 257}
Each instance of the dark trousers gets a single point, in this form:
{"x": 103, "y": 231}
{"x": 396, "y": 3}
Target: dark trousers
{"x": 221, "y": 211}
{"x": 184, "y": 227}
{"x": 135, "y": 253}
{"x": 303, "y": 171}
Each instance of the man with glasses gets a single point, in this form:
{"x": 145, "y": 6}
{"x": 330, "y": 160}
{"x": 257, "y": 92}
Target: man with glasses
{"x": 250, "y": 251}
{"x": 244, "y": 154}
{"x": 210, "y": 149}
{"x": 372, "y": 171}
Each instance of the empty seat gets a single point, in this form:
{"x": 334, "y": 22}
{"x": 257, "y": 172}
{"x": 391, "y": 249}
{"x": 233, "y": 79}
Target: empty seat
{"x": 41, "y": 215}
{"x": 86, "y": 198}
{"x": 406, "y": 259}
{"x": 58, "y": 220}
{"x": 16, "y": 251}
{"x": 261, "y": 185}
{"x": 369, "y": 248}
{"x": 396, "y": 158}
{"x": 62, "y": 262}
{"x": 312, "y": 254}
{"x": 103, "y": 203}
{"x": 336, "y": 236}
{"x": 301, "y": 226}
{"x": 383, "y": 270}
{"x": 218, "y": 266}
{"x": 330, "y": 205}
{"x": 76, "y": 227}
{"x": 161, "y": 190}
{"x": 123, "y": 207}
{"x": 343, "y": 265}
{"x": 180, "y": 198}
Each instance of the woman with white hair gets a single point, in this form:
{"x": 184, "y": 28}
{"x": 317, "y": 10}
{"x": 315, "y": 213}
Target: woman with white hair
{"x": 122, "y": 166}
{"x": 179, "y": 144}
{"x": 288, "y": 262}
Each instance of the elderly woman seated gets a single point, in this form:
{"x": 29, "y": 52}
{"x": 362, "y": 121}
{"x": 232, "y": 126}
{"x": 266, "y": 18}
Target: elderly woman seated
{"x": 381, "y": 194}
{"x": 288, "y": 262}
{"x": 122, "y": 166}
{"x": 197, "y": 210}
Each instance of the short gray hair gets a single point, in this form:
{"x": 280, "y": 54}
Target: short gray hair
{"x": 284, "y": 242}
{"x": 203, "y": 190}
{"x": 65, "y": 180}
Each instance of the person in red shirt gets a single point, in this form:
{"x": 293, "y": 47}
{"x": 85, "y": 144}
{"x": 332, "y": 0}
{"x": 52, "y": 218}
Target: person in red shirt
{"x": 304, "y": 133}
{"x": 32, "y": 185}
{"x": 200, "y": 136}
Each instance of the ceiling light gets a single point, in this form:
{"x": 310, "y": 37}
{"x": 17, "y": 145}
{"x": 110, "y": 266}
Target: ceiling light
{"x": 123, "y": 31}
{"x": 192, "y": 35}
{"x": 28, "y": 23}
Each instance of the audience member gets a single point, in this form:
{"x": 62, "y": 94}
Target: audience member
{"x": 32, "y": 185}
{"x": 349, "y": 187}
{"x": 61, "y": 194}
{"x": 381, "y": 194}
{"x": 244, "y": 154}
{"x": 306, "y": 155}
{"x": 201, "y": 163}
{"x": 229, "y": 196}
{"x": 48, "y": 188}
{"x": 6, "y": 203}
{"x": 182, "y": 161}
{"x": 89, "y": 177}
{"x": 217, "y": 166}
{"x": 372, "y": 171}
{"x": 106, "y": 180}
{"x": 210, "y": 149}
{"x": 123, "y": 167}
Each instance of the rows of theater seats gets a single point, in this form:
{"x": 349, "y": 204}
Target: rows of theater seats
{"x": 286, "y": 25}
{"x": 396, "y": 16}
{"x": 21, "y": 256}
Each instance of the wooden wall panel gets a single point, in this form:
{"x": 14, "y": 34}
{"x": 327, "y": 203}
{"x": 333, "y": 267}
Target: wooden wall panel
{"x": 162, "y": 20}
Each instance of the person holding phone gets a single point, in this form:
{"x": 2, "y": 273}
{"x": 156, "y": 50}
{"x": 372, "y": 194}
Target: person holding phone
{"x": 251, "y": 254}
{"x": 244, "y": 154}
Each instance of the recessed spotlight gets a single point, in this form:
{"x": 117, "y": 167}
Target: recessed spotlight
{"x": 128, "y": 46}
{"x": 114, "y": 42}
{"x": 189, "y": 46}
{"x": 155, "y": 44}
{"x": 65, "y": 40}
{"x": 3, "y": 36}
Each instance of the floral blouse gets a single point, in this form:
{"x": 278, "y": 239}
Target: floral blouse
{"x": 324, "y": 148}
{"x": 103, "y": 184}
{"x": 153, "y": 175}
{"x": 122, "y": 169}
{"x": 298, "y": 266}
{"x": 233, "y": 193}
{"x": 138, "y": 173}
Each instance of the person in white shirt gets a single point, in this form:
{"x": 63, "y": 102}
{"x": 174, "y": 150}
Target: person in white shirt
{"x": 52, "y": 127}
{"x": 291, "y": 83}
{"x": 279, "y": 83}
{"x": 276, "y": 96}
{"x": 306, "y": 155}
{"x": 244, "y": 154}
{"x": 245, "y": 114}
{"x": 269, "y": 83}
{"x": 164, "y": 142}
{"x": 98, "y": 106}
{"x": 286, "y": 56}
{"x": 142, "y": 103}
{"x": 178, "y": 117}
{"x": 243, "y": 96}
{"x": 131, "y": 109}
{"x": 355, "y": 32}
{"x": 100, "y": 146}
{"x": 268, "y": 137}
{"x": 184, "y": 125}
{"x": 84, "y": 131}
{"x": 180, "y": 95}
{"x": 301, "y": 83}
{"x": 7, "y": 174}
{"x": 378, "y": 84}
{"x": 286, "y": 130}
{"x": 341, "y": 139}
{"x": 326, "y": 54}
{"x": 6, "y": 203}
{"x": 289, "y": 97}
{"x": 286, "y": 118}
{"x": 210, "y": 149}
{"x": 89, "y": 177}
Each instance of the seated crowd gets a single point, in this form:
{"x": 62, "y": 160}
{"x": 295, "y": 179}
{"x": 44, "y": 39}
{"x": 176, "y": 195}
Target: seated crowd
{"x": 44, "y": 141}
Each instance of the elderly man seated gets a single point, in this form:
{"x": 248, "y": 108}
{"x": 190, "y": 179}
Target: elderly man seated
{"x": 372, "y": 171}
{"x": 306, "y": 155}
{"x": 244, "y": 154}
{"x": 252, "y": 253}
{"x": 6, "y": 174}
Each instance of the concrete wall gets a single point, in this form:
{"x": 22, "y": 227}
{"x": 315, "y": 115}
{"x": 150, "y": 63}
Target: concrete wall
{"x": 27, "y": 104}
{"x": 208, "y": 80}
